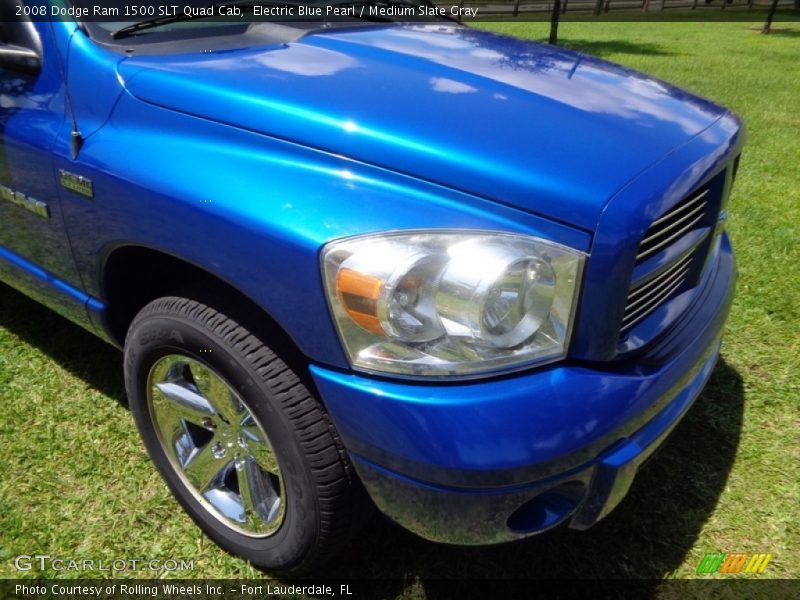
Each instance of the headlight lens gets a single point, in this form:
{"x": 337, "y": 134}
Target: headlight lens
{"x": 451, "y": 303}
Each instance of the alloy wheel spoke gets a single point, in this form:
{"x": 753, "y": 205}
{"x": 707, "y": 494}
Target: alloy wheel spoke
{"x": 171, "y": 427}
{"x": 218, "y": 394}
{"x": 203, "y": 468}
{"x": 250, "y": 429}
{"x": 260, "y": 502}
{"x": 181, "y": 402}
{"x": 260, "y": 448}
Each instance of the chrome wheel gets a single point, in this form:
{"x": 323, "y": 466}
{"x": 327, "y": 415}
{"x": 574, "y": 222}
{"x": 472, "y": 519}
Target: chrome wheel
{"x": 216, "y": 445}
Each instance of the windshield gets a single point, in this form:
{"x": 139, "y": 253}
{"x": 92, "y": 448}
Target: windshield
{"x": 154, "y": 21}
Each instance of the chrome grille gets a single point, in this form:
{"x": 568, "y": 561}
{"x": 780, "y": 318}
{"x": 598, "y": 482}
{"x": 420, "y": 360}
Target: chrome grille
{"x": 673, "y": 225}
{"x": 650, "y": 291}
{"x": 644, "y": 298}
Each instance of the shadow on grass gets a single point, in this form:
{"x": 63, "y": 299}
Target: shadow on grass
{"x": 604, "y": 48}
{"x": 82, "y": 354}
{"x": 647, "y": 537}
{"x": 779, "y": 31}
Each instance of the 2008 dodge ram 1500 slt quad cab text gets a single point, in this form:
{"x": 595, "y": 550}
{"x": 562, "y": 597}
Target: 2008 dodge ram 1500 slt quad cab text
{"x": 472, "y": 280}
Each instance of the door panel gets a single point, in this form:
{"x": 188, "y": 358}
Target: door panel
{"x": 35, "y": 254}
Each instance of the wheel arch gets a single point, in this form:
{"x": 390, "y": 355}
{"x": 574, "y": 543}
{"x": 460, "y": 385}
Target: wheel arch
{"x": 134, "y": 275}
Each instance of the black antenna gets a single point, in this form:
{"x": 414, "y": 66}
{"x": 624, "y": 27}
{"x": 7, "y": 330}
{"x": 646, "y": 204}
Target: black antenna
{"x": 76, "y": 139}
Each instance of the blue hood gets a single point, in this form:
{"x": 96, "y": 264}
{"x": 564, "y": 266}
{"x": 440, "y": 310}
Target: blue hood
{"x": 532, "y": 126}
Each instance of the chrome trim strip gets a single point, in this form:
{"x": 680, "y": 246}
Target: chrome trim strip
{"x": 672, "y": 225}
{"x": 680, "y": 273}
{"x": 644, "y": 311}
{"x": 680, "y": 206}
{"x": 656, "y": 280}
{"x": 669, "y": 240}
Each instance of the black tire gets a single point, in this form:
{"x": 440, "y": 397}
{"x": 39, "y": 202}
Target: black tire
{"x": 324, "y": 502}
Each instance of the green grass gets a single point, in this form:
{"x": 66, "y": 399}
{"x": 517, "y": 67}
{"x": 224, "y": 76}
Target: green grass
{"x": 75, "y": 481}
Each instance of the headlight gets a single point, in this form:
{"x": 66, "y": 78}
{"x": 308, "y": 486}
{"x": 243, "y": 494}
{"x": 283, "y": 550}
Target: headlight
{"x": 451, "y": 304}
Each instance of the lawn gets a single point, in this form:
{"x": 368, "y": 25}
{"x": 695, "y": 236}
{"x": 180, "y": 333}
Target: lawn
{"x": 75, "y": 481}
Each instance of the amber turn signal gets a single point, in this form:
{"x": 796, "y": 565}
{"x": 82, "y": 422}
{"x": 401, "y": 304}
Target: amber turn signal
{"x": 358, "y": 294}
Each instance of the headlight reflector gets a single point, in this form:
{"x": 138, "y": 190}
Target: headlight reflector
{"x": 495, "y": 293}
{"x": 451, "y": 303}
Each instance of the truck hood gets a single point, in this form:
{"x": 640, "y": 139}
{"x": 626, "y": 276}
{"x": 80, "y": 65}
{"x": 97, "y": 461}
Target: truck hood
{"x": 539, "y": 128}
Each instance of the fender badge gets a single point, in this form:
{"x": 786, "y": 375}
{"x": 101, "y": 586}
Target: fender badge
{"x": 76, "y": 183}
{"x": 37, "y": 207}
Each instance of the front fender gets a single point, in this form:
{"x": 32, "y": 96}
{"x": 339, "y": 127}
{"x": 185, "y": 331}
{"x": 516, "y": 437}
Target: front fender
{"x": 253, "y": 210}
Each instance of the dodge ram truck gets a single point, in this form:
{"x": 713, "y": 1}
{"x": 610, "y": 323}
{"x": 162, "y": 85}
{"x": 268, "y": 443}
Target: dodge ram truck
{"x": 470, "y": 280}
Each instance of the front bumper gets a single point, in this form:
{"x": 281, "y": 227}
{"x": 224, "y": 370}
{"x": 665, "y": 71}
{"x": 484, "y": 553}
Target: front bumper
{"x": 493, "y": 461}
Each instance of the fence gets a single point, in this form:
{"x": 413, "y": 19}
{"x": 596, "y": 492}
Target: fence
{"x": 532, "y": 8}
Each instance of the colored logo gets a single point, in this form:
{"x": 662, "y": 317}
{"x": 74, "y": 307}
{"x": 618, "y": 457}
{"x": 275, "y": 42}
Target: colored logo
{"x": 733, "y": 562}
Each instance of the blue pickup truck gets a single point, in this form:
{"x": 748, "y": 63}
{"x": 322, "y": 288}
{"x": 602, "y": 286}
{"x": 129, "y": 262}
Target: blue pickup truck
{"x": 471, "y": 280}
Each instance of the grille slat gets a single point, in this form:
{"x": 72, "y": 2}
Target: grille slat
{"x": 635, "y": 298}
{"x": 674, "y": 224}
{"x": 631, "y": 319}
{"x": 679, "y": 208}
{"x": 650, "y": 292}
{"x": 675, "y": 236}
{"x": 654, "y": 236}
{"x": 644, "y": 298}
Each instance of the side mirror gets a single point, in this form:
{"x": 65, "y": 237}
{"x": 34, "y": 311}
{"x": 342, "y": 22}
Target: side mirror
{"x": 19, "y": 58}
